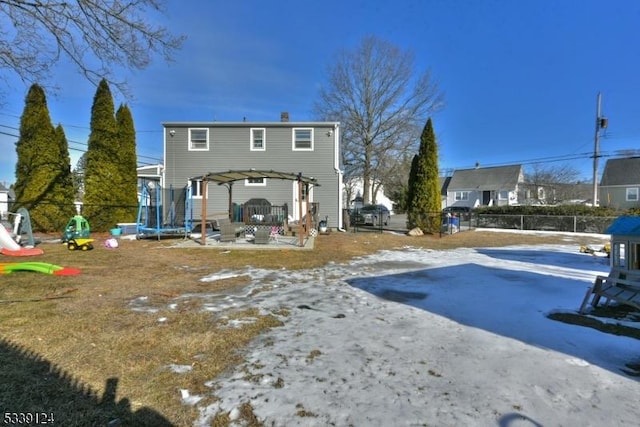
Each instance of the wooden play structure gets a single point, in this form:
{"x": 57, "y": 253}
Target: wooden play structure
{"x": 622, "y": 285}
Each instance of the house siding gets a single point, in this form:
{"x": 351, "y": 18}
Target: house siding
{"x": 229, "y": 149}
{"x": 618, "y": 175}
{"x": 614, "y": 196}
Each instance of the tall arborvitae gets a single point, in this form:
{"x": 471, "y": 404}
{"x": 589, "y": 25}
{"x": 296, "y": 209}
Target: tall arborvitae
{"x": 424, "y": 188}
{"x": 127, "y": 160}
{"x": 102, "y": 173}
{"x": 43, "y": 166}
{"x": 410, "y": 190}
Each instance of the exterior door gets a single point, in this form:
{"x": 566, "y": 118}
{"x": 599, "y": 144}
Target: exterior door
{"x": 486, "y": 198}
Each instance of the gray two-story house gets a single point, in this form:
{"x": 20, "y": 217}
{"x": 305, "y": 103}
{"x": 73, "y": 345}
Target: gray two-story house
{"x": 311, "y": 149}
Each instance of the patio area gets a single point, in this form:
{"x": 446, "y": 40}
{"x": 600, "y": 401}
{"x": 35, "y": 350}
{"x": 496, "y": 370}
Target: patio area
{"x": 246, "y": 241}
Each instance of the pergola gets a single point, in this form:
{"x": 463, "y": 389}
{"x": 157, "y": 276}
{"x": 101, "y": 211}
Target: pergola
{"x": 229, "y": 177}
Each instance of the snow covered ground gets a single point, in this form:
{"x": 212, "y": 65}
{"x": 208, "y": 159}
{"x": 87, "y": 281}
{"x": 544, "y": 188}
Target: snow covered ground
{"x": 429, "y": 337}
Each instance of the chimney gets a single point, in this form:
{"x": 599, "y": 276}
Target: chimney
{"x": 284, "y": 116}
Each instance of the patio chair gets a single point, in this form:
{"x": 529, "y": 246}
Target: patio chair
{"x": 227, "y": 232}
{"x": 262, "y": 236}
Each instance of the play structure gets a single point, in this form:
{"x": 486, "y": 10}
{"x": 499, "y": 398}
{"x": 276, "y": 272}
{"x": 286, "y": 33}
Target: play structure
{"x": 622, "y": 285}
{"x": 38, "y": 267}
{"x": 164, "y": 211}
{"x": 19, "y": 240}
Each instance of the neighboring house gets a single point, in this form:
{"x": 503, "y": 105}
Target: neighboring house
{"x": 620, "y": 184}
{"x": 150, "y": 173}
{"x": 555, "y": 194}
{"x": 492, "y": 186}
{"x": 194, "y": 149}
{"x": 355, "y": 187}
{"x": 443, "y": 182}
{"x": 4, "y": 201}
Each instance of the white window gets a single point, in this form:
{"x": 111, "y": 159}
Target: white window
{"x": 462, "y": 195}
{"x": 255, "y": 182}
{"x": 632, "y": 194}
{"x": 302, "y": 139}
{"x": 198, "y": 139}
{"x": 196, "y": 189}
{"x": 258, "y": 139}
{"x": 541, "y": 193}
{"x": 503, "y": 195}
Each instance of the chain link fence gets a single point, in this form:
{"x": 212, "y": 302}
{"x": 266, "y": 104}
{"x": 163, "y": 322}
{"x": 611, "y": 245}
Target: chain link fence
{"x": 471, "y": 220}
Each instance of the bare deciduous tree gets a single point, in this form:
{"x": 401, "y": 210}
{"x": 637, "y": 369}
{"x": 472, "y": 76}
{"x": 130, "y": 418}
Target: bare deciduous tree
{"x": 552, "y": 174}
{"x": 94, "y": 35}
{"x": 381, "y": 102}
{"x": 552, "y": 183}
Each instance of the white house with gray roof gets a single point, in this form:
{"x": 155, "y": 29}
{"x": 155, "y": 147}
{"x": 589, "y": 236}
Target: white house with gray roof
{"x": 193, "y": 149}
{"x": 4, "y": 201}
{"x": 620, "y": 183}
{"x": 491, "y": 186}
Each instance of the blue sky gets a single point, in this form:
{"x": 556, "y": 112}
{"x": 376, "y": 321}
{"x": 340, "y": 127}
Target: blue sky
{"x": 520, "y": 78}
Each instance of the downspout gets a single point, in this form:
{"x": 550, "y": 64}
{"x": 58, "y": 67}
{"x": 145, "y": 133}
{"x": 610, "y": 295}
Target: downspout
{"x": 338, "y": 171}
{"x": 163, "y": 176}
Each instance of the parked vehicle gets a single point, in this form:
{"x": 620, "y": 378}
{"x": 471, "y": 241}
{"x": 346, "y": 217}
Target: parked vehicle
{"x": 456, "y": 209}
{"x": 371, "y": 215}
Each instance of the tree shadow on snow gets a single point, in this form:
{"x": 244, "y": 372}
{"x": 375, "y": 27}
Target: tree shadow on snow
{"x": 511, "y": 303}
{"x": 556, "y": 258}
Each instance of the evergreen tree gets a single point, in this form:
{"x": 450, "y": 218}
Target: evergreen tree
{"x": 78, "y": 176}
{"x": 424, "y": 202}
{"x": 43, "y": 166}
{"x": 410, "y": 190}
{"x": 102, "y": 174}
{"x": 128, "y": 163}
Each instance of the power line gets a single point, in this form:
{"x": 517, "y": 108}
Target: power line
{"x": 83, "y": 144}
{"x": 553, "y": 159}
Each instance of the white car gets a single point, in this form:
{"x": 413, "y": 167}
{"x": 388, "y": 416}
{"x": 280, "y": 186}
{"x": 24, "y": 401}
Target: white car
{"x": 372, "y": 214}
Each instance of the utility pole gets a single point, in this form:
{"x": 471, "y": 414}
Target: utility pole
{"x": 601, "y": 123}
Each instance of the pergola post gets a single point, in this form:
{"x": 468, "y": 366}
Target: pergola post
{"x": 230, "y": 189}
{"x": 203, "y": 227}
{"x": 300, "y": 225}
{"x": 308, "y": 212}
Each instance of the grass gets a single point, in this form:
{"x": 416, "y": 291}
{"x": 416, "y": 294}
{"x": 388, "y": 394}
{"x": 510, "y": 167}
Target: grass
{"x": 74, "y": 346}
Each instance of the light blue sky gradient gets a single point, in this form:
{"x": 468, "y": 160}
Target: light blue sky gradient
{"x": 520, "y": 77}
